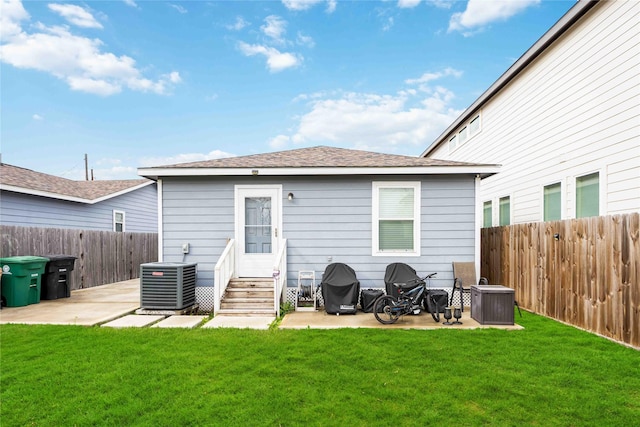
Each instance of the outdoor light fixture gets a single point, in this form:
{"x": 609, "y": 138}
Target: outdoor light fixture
{"x": 290, "y": 196}
{"x": 254, "y": 172}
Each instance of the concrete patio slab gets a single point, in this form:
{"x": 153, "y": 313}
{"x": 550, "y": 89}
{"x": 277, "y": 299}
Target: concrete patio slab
{"x": 133, "y": 321}
{"x": 240, "y": 322}
{"x": 180, "y": 321}
{"x": 86, "y": 307}
{"x": 322, "y": 320}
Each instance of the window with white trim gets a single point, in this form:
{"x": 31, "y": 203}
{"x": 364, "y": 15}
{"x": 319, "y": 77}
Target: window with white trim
{"x": 118, "y": 221}
{"x": 466, "y": 132}
{"x": 588, "y": 195}
{"x": 396, "y": 218}
{"x": 552, "y": 202}
{"x": 505, "y": 211}
{"x": 453, "y": 143}
{"x": 487, "y": 214}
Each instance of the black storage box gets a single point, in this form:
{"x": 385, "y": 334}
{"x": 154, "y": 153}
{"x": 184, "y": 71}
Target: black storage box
{"x": 492, "y": 304}
{"x": 56, "y": 280}
{"x": 435, "y": 297}
{"x": 368, "y": 297}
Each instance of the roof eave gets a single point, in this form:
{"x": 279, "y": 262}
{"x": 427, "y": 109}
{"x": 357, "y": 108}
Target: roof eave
{"x": 560, "y": 27}
{"x": 69, "y": 198}
{"x": 482, "y": 170}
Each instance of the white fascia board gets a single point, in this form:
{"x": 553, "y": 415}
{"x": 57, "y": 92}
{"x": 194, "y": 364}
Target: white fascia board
{"x": 65, "y": 197}
{"x": 43, "y": 194}
{"x": 427, "y": 170}
{"x": 121, "y": 192}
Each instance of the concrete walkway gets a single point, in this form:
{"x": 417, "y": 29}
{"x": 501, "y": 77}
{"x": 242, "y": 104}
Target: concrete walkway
{"x": 86, "y": 307}
{"x": 113, "y": 306}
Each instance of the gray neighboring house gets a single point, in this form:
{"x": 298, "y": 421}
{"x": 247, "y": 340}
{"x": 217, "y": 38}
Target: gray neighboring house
{"x": 33, "y": 199}
{"x": 300, "y": 210}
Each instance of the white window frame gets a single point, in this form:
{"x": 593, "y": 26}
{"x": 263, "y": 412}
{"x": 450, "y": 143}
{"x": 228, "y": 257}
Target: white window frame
{"x": 376, "y": 186}
{"x": 602, "y": 193}
{"x": 563, "y": 198}
{"x": 510, "y": 197}
{"x": 456, "y": 139}
{"x": 124, "y": 220}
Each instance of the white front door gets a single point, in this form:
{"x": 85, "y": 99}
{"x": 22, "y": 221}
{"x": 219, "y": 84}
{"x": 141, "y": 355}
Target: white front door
{"x": 258, "y": 225}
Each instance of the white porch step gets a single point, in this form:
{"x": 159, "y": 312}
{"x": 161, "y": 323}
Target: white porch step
{"x": 246, "y": 312}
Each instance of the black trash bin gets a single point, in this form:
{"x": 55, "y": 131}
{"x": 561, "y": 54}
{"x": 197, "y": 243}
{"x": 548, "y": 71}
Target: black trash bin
{"x": 368, "y": 297}
{"x": 56, "y": 280}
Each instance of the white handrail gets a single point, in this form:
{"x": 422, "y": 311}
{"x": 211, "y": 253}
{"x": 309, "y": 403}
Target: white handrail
{"x": 279, "y": 277}
{"x": 224, "y": 271}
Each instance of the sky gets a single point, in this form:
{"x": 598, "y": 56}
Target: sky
{"x": 134, "y": 83}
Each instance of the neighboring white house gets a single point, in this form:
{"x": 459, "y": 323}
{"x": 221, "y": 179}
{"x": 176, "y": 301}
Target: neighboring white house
{"x": 563, "y": 121}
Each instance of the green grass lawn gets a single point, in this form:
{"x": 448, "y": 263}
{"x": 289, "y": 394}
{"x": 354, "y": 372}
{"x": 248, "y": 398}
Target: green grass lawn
{"x": 546, "y": 375}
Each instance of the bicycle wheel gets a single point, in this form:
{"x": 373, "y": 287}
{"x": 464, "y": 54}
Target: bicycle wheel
{"x": 383, "y": 310}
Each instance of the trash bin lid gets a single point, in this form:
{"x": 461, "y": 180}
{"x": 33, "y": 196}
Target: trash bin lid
{"x": 60, "y": 257}
{"x": 22, "y": 259}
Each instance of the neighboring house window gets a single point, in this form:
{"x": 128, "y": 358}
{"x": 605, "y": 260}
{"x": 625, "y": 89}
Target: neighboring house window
{"x": 474, "y": 125}
{"x": 487, "y": 214}
{"x": 118, "y": 221}
{"x": 396, "y": 218}
{"x": 505, "y": 210}
{"x": 552, "y": 202}
{"x": 453, "y": 143}
{"x": 463, "y": 135}
{"x": 588, "y": 195}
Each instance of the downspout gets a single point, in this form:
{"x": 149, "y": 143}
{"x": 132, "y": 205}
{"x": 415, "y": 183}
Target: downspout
{"x": 478, "y": 226}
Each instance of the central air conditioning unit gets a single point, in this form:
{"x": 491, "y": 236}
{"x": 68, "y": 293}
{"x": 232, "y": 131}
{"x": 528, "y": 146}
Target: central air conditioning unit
{"x": 167, "y": 285}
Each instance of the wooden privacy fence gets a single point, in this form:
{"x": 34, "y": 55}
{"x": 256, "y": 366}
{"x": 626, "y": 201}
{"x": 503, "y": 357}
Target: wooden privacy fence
{"x": 585, "y": 272}
{"x": 102, "y": 256}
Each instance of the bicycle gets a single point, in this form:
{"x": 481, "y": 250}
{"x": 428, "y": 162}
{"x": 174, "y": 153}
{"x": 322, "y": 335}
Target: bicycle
{"x": 387, "y": 309}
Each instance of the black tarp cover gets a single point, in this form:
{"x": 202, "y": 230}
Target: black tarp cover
{"x": 340, "y": 289}
{"x": 399, "y": 272}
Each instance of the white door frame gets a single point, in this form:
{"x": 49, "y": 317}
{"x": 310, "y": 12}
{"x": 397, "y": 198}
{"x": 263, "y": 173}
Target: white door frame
{"x": 257, "y": 265}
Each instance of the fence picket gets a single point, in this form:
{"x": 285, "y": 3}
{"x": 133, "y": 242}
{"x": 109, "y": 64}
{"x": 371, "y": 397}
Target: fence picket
{"x": 589, "y": 276}
{"x": 102, "y": 256}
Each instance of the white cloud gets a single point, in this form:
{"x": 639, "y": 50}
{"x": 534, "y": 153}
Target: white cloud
{"x": 77, "y": 60}
{"x": 480, "y": 13}
{"x": 308, "y": 4}
{"x": 37, "y": 117}
{"x": 427, "y": 77}
{"x": 238, "y": 25}
{"x": 279, "y": 142}
{"x": 75, "y": 15}
{"x": 276, "y": 60}
{"x": 412, "y": 117}
{"x": 274, "y": 27}
{"x": 303, "y": 40}
{"x": 12, "y": 14}
{"x": 408, "y": 4}
{"x": 131, "y": 3}
{"x": 184, "y": 158}
{"x": 179, "y": 8}
{"x": 389, "y": 24}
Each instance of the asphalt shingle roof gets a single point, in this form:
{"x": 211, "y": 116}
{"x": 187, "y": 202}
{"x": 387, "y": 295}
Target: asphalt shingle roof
{"x": 90, "y": 190}
{"x": 320, "y": 157}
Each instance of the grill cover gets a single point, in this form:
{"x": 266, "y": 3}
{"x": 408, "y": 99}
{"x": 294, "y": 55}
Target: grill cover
{"x": 399, "y": 272}
{"x": 340, "y": 289}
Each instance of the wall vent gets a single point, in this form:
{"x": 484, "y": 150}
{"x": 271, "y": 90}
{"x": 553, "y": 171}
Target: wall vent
{"x": 167, "y": 285}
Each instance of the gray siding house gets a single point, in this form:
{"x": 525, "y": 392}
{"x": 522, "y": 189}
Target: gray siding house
{"x": 33, "y": 199}
{"x": 273, "y": 215}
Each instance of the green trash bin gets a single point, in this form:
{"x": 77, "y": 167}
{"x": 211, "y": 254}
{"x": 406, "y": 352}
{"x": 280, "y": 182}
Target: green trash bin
{"x": 21, "y": 280}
